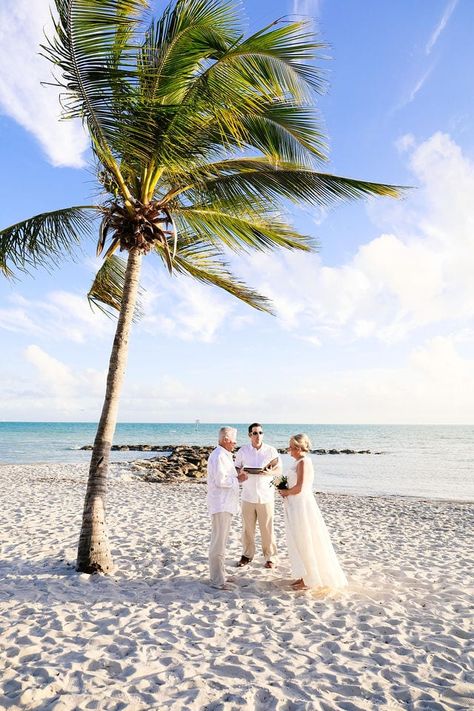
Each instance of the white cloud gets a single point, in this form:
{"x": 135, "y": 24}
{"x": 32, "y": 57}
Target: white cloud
{"x": 308, "y": 11}
{"x": 193, "y": 311}
{"x": 418, "y": 273}
{"x": 434, "y": 385}
{"x": 409, "y": 94}
{"x": 57, "y": 376}
{"x": 22, "y": 97}
{"x": 405, "y": 142}
{"x": 306, "y": 8}
{"x": 60, "y": 315}
{"x": 418, "y": 86}
{"x": 53, "y": 390}
{"x": 441, "y": 25}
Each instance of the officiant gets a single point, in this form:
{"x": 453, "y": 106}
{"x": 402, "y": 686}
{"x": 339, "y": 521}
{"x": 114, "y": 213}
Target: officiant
{"x": 261, "y": 462}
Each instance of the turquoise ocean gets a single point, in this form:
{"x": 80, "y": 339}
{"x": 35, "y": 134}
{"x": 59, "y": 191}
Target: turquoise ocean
{"x": 428, "y": 461}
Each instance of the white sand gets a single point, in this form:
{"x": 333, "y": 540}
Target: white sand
{"x": 155, "y": 636}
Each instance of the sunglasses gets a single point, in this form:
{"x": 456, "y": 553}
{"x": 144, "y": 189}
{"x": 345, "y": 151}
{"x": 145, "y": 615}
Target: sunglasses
{"x": 256, "y": 433}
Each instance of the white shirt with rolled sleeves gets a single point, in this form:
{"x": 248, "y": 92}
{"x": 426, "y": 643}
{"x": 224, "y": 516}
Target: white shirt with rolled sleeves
{"x": 257, "y": 488}
{"x": 222, "y": 483}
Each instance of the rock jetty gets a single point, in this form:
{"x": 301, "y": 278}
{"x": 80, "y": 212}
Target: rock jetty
{"x": 187, "y": 462}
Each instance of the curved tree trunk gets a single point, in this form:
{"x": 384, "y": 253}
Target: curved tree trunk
{"x": 93, "y": 553}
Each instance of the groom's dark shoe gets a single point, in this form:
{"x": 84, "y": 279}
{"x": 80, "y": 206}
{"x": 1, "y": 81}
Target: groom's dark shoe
{"x": 243, "y": 561}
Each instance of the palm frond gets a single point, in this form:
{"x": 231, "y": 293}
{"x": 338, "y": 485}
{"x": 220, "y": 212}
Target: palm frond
{"x": 93, "y": 52}
{"x": 188, "y": 33}
{"x": 285, "y": 131}
{"x": 203, "y": 262}
{"x": 277, "y": 60}
{"x": 241, "y": 231}
{"x": 257, "y": 179}
{"x": 294, "y": 44}
{"x": 106, "y": 291}
{"x": 45, "y": 239}
{"x": 203, "y": 88}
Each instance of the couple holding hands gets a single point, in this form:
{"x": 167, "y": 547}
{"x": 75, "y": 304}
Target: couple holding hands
{"x": 258, "y": 468}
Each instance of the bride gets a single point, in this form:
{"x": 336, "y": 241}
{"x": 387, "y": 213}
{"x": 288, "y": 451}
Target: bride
{"x": 312, "y": 557}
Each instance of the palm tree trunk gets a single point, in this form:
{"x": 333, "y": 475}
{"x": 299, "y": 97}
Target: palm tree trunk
{"x": 93, "y": 553}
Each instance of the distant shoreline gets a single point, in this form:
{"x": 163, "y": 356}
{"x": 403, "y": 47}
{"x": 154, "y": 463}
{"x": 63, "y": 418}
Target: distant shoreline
{"x": 429, "y": 462}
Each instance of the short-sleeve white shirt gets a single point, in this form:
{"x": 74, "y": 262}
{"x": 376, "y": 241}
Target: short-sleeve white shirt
{"x": 222, "y": 483}
{"x": 257, "y": 489}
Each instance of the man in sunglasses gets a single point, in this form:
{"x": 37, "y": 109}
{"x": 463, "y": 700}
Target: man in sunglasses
{"x": 262, "y": 463}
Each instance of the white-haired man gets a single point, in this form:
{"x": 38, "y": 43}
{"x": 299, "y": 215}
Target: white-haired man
{"x": 222, "y": 501}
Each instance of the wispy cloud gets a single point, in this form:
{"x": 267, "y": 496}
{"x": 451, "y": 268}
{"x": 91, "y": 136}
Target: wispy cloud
{"x": 441, "y": 25}
{"x": 307, "y": 9}
{"x": 22, "y": 97}
{"x": 412, "y": 93}
{"x": 419, "y": 85}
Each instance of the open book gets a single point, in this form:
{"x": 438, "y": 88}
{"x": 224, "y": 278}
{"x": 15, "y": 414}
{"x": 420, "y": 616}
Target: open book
{"x": 259, "y": 470}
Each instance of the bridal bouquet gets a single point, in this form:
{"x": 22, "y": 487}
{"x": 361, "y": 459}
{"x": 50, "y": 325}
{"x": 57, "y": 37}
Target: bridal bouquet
{"x": 279, "y": 482}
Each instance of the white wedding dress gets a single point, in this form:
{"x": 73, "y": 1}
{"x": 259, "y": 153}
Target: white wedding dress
{"x": 310, "y": 550}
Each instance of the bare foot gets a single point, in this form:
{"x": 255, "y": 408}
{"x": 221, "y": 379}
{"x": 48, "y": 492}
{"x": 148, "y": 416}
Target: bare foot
{"x": 299, "y": 585}
{"x": 231, "y": 579}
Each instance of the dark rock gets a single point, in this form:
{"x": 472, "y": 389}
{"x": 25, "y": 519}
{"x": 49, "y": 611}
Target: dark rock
{"x": 187, "y": 462}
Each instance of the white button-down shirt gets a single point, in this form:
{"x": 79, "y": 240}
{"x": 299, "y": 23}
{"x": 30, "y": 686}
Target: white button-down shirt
{"x": 222, "y": 483}
{"x": 257, "y": 488}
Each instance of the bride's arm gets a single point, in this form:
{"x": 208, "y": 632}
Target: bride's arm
{"x": 300, "y": 469}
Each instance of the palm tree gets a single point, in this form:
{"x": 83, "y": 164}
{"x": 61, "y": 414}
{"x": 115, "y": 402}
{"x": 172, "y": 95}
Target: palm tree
{"x": 198, "y": 135}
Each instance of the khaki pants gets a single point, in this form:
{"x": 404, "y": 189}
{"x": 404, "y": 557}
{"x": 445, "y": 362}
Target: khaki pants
{"x": 220, "y": 523}
{"x": 263, "y": 513}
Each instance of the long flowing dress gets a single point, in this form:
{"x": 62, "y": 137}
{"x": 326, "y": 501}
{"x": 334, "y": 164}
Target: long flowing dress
{"x": 311, "y": 553}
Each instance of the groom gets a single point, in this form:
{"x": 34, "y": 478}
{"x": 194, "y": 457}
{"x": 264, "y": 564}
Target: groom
{"x": 258, "y": 496}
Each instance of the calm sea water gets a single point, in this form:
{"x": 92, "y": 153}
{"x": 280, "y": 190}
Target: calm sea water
{"x": 429, "y": 461}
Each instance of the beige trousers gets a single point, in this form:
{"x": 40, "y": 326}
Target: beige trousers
{"x": 220, "y": 523}
{"x": 263, "y": 513}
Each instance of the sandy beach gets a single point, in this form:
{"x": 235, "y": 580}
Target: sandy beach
{"x": 156, "y": 636}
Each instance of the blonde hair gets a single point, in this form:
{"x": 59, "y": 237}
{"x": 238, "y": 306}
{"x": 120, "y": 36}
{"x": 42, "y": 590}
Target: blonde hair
{"x": 302, "y": 442}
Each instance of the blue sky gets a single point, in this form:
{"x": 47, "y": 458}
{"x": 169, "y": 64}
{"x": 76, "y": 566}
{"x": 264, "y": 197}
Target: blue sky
{"x": 375, "y": 328}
